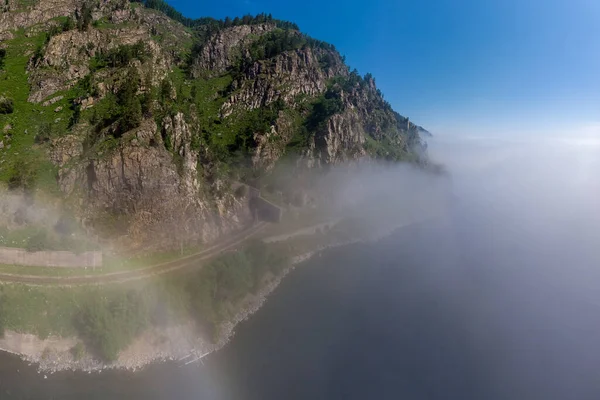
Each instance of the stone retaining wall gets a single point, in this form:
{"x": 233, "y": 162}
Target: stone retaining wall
{"x": 67, "y": 259}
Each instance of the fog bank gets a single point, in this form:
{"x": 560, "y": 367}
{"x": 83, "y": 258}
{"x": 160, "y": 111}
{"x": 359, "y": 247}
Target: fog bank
{"x": 526, "y": 225}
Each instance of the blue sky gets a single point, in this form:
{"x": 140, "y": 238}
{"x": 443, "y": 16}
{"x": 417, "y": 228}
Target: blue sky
{"x": 500, "y": 67}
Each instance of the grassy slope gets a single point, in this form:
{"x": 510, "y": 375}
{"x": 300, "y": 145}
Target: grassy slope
{"x": 27, "y": 118}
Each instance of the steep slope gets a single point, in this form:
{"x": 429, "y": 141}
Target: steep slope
{"x": 144, "y": 124}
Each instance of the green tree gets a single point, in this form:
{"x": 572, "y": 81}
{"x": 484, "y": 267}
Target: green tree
{"x": 132, "y": 115}
{"x": 76, "y": 115}
{"x": 166, "y": 90}
{"x": 84, "y": 16}
{"x": 131, "y": 108}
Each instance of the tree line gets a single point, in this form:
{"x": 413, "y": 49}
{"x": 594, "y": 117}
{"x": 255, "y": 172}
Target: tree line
{"x": 171, "y": 12}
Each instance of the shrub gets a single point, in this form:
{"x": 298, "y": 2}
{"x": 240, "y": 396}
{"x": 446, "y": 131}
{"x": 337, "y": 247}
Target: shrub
{"x": 23, "y": 176}
{"x": 65, "y": 225}
{"x": 68, "y": 25}
{"x": 2, "y": 57}
{"x": 110, "y": 322}
{"x": 78, "y": 351}
{"x": 44, "y": 133}
{"x": 6, "y": 105}
{"x": 240, "y": 192}
{"x": 38, "y": 242}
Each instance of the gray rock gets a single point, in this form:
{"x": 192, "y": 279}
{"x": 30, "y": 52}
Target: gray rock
{"x": 224, "y": 47}
{"x": 52, "y": 101}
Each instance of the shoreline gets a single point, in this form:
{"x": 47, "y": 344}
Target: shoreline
{"x": 171, "y": 344}
{"x": 180, "y": 343}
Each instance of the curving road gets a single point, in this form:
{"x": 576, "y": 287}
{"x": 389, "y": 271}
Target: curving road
{"x": 191, "y": 261}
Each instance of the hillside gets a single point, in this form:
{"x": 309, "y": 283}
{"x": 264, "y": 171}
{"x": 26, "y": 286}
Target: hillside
{"x": 142, "y": 122}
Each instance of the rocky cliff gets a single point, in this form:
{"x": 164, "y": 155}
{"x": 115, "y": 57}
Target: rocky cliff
{"x": 144, "y": 123}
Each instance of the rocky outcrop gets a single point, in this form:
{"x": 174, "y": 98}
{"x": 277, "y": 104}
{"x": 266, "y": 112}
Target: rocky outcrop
{"x": 285, "y": 77}
{"x": 342, "y": 140}
{"x": 225, "y": 47}
{"x": 39, "y": 13}
{"x": 180, "y": 135}
{"x": 66, "y": 58}
{"x": 271, "y": 145}
{"x": 160, "y": 198}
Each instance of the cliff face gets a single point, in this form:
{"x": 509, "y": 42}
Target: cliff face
{"x": 151, "y": 123}
{"x": 286, "y": 76}
{"x": 224, "y": 48}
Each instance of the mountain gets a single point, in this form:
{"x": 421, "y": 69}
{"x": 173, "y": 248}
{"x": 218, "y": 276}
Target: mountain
{"x": 142, "y": 122}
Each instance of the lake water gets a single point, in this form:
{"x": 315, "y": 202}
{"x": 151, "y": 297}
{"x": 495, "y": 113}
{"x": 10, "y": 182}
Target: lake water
{"x": 447, "y": 310}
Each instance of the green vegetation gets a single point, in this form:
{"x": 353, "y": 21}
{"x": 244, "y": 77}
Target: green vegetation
{"x": 23, "y": 175}
{"x": 110, "y": 323}
{"x": 121, "y": 112}
{"x": 109, "y": 318}
{"x": 37, "y": 242}
{"x": 171, "y": 12}
{"x": 84, "y": 16}
{"x": 2, "y": 57}
{"x": 216, "y": 290}
{"x": 78, "y": 351}
{"x": 6, "y": 105}
{"x": 66, "y": 25}
{"x": 120, "y": 56}
{"x": 41, "y": 311}
{"x": 131, "y": 114}
{"x": 234, "y": 136}
{"x": 326, "y": 105}
{"x": 24, "y": 163}
{"x": 280, "y": 40}
{"x": 34, "y": 238}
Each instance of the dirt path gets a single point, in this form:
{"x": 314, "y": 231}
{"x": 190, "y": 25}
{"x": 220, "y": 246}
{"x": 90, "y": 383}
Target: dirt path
{"x": 191, "y": 261}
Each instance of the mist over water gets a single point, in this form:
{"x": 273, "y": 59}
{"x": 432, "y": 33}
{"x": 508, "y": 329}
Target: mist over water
{"x": 529, "y": 209}
{"x": 497, "y": 299}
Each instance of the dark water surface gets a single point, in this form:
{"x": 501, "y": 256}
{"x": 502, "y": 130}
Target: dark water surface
{"x": 446, "y": 310}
